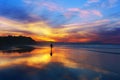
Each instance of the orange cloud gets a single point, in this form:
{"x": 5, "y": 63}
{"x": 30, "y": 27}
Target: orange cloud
{"x": 41, "y": 31}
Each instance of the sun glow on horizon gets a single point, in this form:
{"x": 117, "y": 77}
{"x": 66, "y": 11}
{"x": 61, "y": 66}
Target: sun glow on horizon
{"x": 54, "y": 21}
{"x": 39, "y": 31}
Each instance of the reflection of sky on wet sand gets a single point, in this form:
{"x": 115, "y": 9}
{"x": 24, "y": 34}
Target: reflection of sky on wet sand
{"x": 66, "y": 63}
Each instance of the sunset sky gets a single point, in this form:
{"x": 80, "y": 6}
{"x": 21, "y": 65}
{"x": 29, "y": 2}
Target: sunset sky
{"x": 62, "y": 20}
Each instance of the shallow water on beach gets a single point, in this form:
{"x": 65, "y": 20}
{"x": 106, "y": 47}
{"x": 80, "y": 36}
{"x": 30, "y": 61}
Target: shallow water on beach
{"x": 67, "y": 62}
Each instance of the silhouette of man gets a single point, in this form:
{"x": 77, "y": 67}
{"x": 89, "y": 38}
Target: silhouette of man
{"x": 51, "y": 45}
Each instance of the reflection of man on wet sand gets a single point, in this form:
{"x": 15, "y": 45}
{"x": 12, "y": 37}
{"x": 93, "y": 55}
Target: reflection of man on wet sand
{"x": 51, "y": 45}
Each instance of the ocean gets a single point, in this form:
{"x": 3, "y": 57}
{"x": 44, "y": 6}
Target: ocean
{"x": 63, "y": 62}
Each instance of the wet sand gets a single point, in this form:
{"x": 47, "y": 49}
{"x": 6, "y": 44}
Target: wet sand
{"x": 73, "y": 62}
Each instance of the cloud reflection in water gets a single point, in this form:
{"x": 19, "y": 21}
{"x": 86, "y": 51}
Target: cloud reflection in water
{"x": 38, "y": 64}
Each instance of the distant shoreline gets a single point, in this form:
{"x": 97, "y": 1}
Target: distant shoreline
{"x": 8, "y": 42}
{"x": 76, "y": 43}
{"x": 16, "y": 40}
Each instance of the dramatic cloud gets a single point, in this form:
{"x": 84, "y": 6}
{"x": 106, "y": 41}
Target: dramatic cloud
{"x": 53, "y": 20}
{"x": 102, "y": 31}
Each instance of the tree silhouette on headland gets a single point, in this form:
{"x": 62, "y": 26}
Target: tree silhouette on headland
{"x": 15, "y": 40}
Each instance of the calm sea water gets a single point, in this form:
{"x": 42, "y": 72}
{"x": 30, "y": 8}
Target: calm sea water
{"x": 68, "y": 62}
